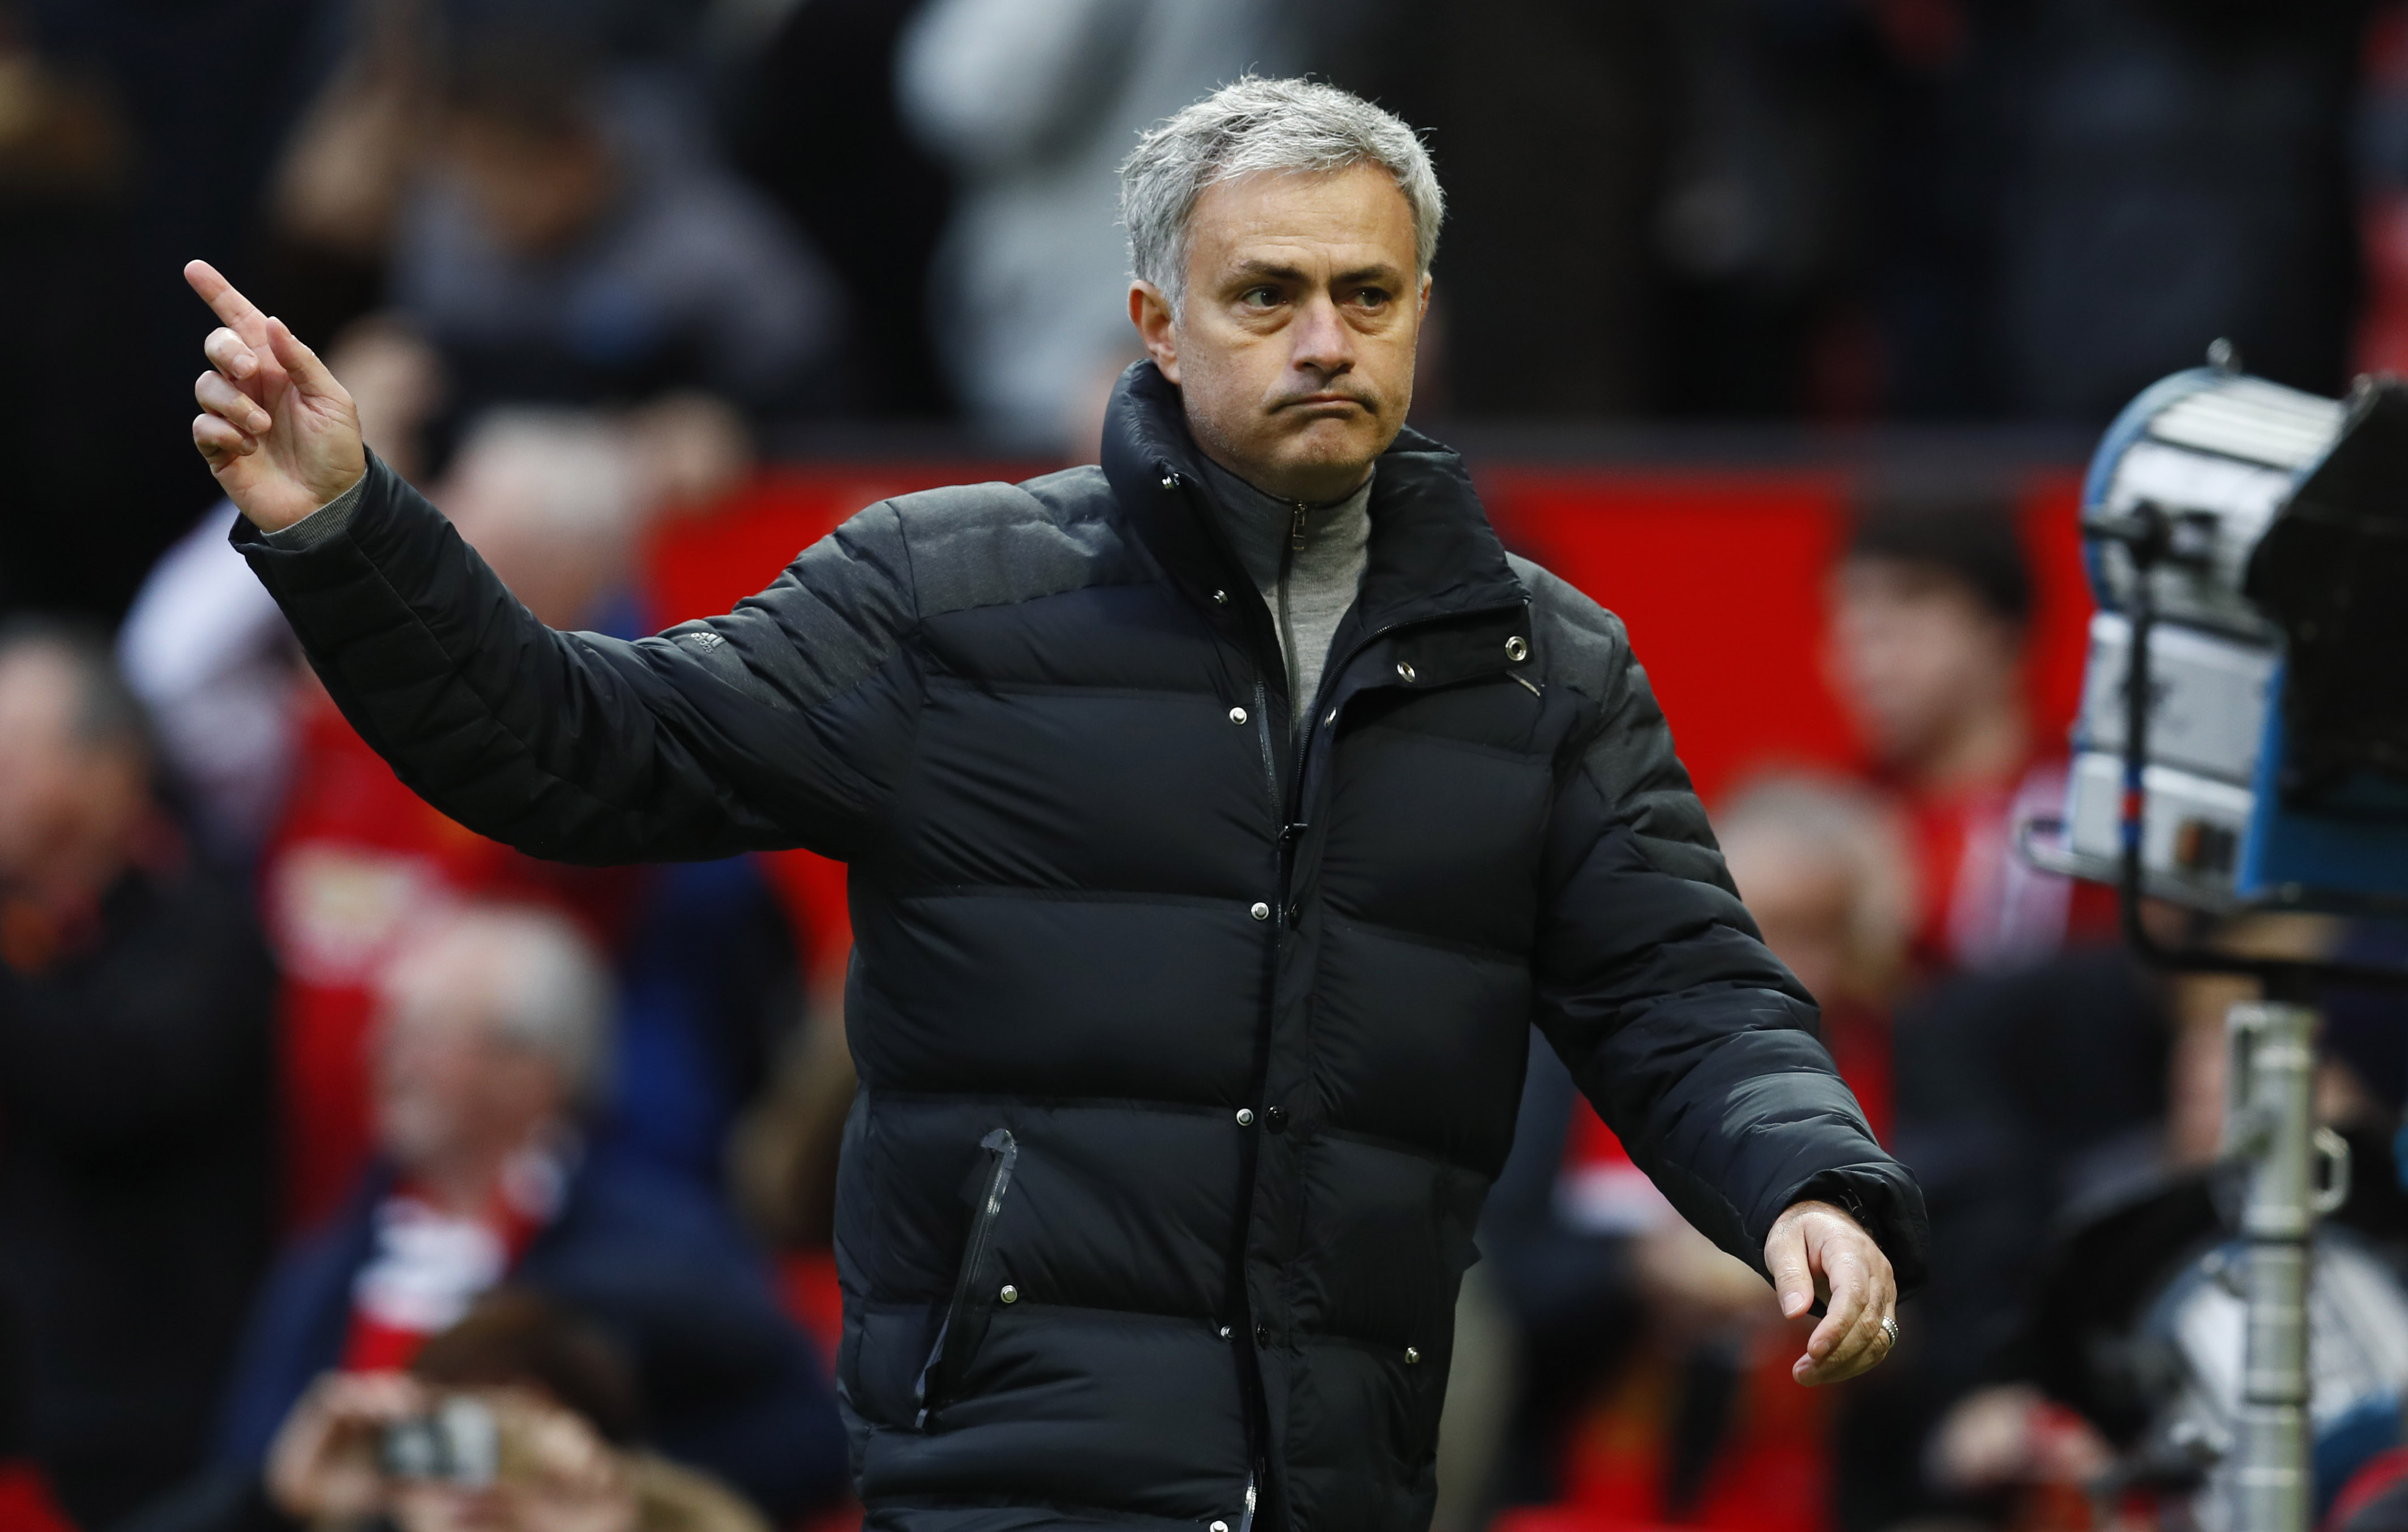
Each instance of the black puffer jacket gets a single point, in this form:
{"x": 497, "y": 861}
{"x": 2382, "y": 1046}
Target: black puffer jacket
{"x": 1188, "y": 1053}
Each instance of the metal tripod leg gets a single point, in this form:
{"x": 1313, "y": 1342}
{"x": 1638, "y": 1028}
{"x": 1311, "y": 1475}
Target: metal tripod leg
{"x": 2270, "y": 1129}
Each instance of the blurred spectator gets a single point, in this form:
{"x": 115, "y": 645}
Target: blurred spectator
{"x": 567, "y": 233}
{"x": 136, "y": 1175}
{"x": 1036, "y": 102}
{"x": 491, "y": 1047}
{"x": 1930, "y": 608}
{"x": 212, "y": 659}
{"x": 566, "y": 1427}
{"x": 335, "y": 193}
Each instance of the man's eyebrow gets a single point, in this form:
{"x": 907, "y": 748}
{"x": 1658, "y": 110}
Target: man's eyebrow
{"x": 1256, "y": 269}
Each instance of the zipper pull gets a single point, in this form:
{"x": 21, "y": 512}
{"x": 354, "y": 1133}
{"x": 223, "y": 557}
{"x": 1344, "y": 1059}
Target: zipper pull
{"x": 1296, "y": 530}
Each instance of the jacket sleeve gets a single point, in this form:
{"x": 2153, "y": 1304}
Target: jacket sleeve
{"x": 782, "y": 723}
{"x": 1697, "y": 1046}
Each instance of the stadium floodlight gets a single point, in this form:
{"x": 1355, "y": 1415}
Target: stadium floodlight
{"x": 2243, "y": 744}
{"x": 2258, "y": 537}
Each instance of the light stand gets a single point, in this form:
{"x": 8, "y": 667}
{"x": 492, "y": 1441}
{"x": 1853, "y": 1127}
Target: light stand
{"x": 2270, "y": 1132}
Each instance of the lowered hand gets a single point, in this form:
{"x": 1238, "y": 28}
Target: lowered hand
{"x": 1816, "y": 1250}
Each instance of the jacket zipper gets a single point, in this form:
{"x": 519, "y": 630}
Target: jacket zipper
{"x": 1288, "y": 834}
{"x": 947, "y": 1357}
{"x": 1263, "y": 734}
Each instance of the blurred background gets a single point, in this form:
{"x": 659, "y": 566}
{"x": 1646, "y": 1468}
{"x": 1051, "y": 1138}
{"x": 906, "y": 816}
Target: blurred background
{"x": 1782, "y": 327}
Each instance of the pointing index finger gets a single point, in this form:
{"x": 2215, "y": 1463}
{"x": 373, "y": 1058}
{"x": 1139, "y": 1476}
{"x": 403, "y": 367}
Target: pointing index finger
{"x": 239, "y": 312}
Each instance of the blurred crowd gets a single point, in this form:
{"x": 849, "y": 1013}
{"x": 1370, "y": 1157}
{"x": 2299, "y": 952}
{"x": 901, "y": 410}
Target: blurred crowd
{"x": 316, "y": 1110}
{"x": 834, "y": 214}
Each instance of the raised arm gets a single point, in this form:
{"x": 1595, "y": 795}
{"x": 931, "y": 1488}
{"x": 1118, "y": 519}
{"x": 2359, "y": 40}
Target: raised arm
{"x": 781, "y": 724}
{"x": 1699, "y": 1048}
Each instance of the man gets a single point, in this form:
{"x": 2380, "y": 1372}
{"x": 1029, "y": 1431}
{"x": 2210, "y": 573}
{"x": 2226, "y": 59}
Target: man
{"x": 566, "y": 1418}
{"x": 1932, "y": 607}
{"x": 492, "y": 1039}
{"x": 136, "y": 1180}
{"x": 1219, "y": 819}
{"x": 576, "y": 242}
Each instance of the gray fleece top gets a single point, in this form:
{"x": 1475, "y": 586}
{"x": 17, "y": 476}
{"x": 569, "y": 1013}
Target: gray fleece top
{"x": 1307, "y": 561}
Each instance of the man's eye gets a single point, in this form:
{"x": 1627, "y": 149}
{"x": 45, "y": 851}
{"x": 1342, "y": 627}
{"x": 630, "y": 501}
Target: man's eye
{"x": 1372, "y": 297}
{"x": 1259, "y": 297}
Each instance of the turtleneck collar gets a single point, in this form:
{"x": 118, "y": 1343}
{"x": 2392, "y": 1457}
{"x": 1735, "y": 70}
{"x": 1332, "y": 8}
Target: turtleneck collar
{"x": 1261, "y": 527}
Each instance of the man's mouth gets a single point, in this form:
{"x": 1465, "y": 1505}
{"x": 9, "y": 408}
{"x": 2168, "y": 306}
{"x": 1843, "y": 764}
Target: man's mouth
{"x": 1325, "y": 401}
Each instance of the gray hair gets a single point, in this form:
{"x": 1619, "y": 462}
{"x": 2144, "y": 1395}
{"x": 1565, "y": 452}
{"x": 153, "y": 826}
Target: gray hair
{"x": 107, "y": 714}
{"x": 1840, "y": 826}
{"x": 548, "y": 986}
{"x": 1254, "y": 127}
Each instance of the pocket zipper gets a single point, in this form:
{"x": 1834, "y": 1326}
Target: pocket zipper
{"x": 972, "y": 1297}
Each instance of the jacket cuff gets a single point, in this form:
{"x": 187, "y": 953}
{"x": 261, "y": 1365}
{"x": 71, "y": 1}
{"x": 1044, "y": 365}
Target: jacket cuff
{"x": 321, "y": 524}
{"x": 1890, "y": 1208}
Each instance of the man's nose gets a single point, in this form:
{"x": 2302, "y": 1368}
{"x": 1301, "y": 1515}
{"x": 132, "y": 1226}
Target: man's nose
{"x": 1324, "y": 342}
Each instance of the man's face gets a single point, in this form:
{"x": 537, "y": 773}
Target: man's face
{"x": 450, "y": 1091}
{"x": 1295, "y": 347}
{"x": 66, "y": 806}
{"x": 1804, "y": 908}
{"x": 1916, "y": 658}
{"x": 537, "y": 192}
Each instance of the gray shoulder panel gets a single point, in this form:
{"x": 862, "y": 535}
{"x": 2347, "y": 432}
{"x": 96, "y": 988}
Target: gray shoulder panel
{"x": 990, "y": 545}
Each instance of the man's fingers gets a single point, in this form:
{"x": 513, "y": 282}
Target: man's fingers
{"x": 1784, "y": 1256}
{"x": 218, "y": 441}
{"x": 1864, "y": 1342}
{"x": 300, "y": 362}
{"x": 1864, "y": 1346}
{"x": 1851, "y": 1286}
{"x": 239, "y": 313}
{"x": 221, "y": 398}
{"x": 227, "y": 353}
{"x": 1851, "y": 1337}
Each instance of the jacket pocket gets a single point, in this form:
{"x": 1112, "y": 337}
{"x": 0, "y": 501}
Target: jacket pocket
{"x": 972, "y": 1309}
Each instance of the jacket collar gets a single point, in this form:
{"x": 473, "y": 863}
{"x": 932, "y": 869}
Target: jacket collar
{"x": 1432, "y": 554}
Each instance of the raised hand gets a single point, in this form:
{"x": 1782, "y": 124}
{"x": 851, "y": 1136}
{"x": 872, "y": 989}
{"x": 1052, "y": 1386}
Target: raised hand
{"x": 324, "y": 1465}
{"x": 277, "y": 430}
{"x": 1816, "y": 1251}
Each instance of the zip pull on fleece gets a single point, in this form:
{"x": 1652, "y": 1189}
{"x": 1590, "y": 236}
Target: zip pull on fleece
{"x": 1296, "y": 529}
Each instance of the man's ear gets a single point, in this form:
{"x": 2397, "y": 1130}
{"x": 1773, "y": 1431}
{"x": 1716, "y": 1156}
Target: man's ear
{"x": 1149, "y": 311}
{"x": 1426, "y": 292}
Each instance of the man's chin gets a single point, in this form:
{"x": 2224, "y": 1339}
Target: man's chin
{"x": 1336, "y": 448}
